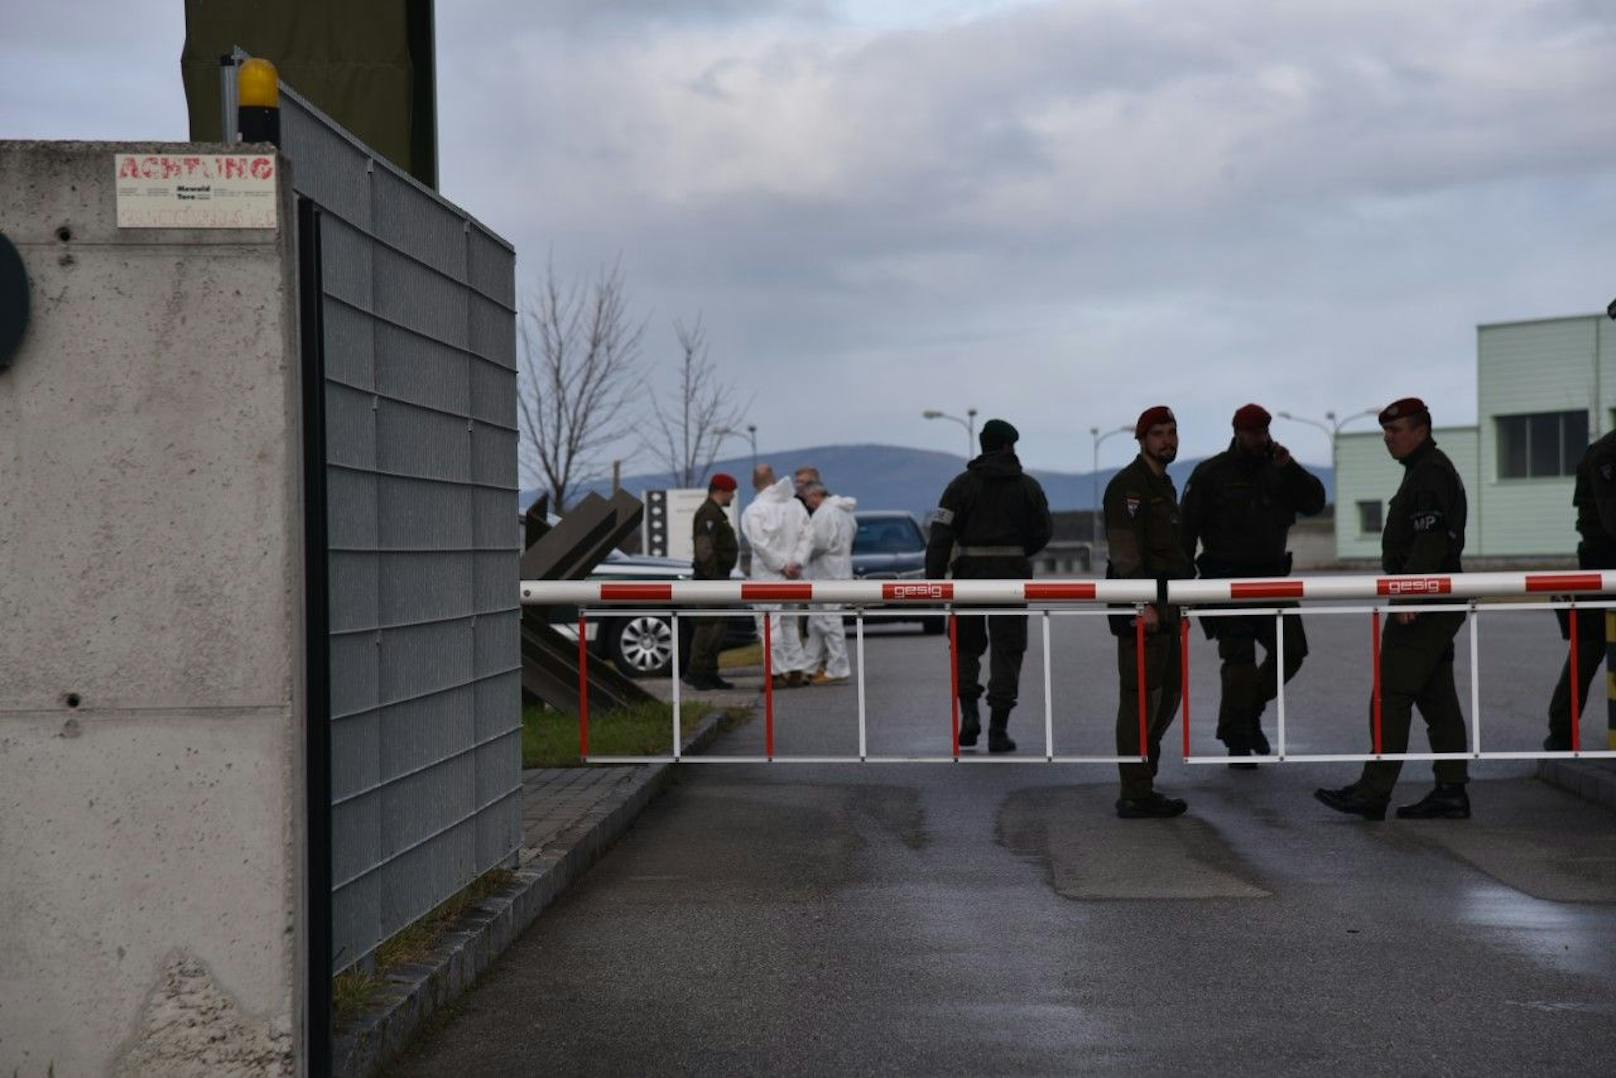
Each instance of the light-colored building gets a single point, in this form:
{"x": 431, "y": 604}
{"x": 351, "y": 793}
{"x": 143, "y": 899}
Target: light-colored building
{"x": 1544, "y": 390}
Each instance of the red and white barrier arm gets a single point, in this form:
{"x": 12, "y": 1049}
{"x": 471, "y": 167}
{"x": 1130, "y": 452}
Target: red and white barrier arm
{"x": 856, "y": 592}
{"x": 878, "y": 593}
{"x": 1455, "y": 586}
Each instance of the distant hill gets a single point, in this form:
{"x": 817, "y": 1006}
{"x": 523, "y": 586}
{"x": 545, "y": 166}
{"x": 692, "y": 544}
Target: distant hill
{"x": 898, "y": 477}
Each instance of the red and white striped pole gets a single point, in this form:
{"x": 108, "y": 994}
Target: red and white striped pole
{"x": 768, "y": 686}
{"x": 1374, "y": 637}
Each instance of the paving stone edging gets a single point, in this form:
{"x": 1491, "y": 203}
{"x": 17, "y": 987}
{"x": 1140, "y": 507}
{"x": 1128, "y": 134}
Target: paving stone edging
{"x": 1591, "y": 780}
{"x": 415, "y": 992}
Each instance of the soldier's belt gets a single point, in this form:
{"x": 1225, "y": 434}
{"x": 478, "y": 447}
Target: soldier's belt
{"x": 991, "y": 552}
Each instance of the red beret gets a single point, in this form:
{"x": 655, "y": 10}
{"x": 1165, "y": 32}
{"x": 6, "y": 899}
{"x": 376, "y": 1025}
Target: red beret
{"x": 721, "y": 481}
{"x": 1408, "y": 406}
{"x": 1252, "y": 417}
{"x": 1152, "y": 416}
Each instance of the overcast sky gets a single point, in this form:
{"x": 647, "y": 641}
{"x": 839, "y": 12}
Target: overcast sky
{"x": 1056, "y": 212}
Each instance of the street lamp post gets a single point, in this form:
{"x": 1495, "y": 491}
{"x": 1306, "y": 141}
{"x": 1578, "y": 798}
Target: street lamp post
{"x": 750, "y": 434}
{"x": 1331, "y": 426}
{"x": 969, "y": 424}
{"x": 1094, "y": 476}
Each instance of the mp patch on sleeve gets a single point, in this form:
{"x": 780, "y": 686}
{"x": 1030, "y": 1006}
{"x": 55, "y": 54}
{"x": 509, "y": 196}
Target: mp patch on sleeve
{"x": 943, "y": 516}
{"x": 1426, "y": 521}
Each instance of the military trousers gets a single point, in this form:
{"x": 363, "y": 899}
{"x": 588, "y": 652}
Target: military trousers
{"x": 1416, "y": 670}
{"x": 1163, "y": 685}
{"x": 1247, "y": 684}
{"x": 1004, "y": 636}
{"x": 1590, "y": 653}
{"x": 705, "y": 645}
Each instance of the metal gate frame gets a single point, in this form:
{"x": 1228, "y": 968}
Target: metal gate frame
{"x": 1198, "y": 598}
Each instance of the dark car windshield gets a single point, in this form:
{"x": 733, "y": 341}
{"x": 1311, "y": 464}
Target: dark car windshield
{"x": 887, "y": 535}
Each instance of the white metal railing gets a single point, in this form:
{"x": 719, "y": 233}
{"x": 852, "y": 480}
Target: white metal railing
{"x": 1045, "y": 599}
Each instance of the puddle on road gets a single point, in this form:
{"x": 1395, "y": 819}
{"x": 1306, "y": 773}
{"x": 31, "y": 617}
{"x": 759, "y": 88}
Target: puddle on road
{"x": 1089, "y": 854}
{"x": 1568, "y": 867}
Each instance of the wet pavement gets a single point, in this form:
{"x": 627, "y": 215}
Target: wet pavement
{"x": 934, "y": 918}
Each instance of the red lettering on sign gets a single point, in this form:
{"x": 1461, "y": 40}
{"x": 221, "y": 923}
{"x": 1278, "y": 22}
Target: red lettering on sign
{"x": 1426, "y": 585}
{"x": 777, "y": 592}
{"x": 1265, "y": 589}
{"x": 1059, "y": 591}
{"x": 129, "y": 169}
{"x": 929, "y": 591}
{"x": 636, "y": 593}
{"x": 262, "y": 168}
{"x": 234, "y": 168}
{"x": 1564, "y": 582}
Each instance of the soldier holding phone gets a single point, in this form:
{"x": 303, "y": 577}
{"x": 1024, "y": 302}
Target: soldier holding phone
{"x": 1239, "y": 507}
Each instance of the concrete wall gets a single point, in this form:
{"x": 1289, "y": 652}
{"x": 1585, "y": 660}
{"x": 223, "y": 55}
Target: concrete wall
{"x": 151, "y": 571}
{"x": 1366, "y": 472}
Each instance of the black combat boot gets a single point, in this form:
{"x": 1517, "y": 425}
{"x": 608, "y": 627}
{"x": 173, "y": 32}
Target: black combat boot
{"x": 1239, "y": 746}
{"x": 1447, "y": 802}
{"x": 1354, "y": 802}
{"x": 998, "y": 738}
{"x": 970, "y": 723}
{"x": 1259, "y": 742}
{"x": 1152, "y": 806}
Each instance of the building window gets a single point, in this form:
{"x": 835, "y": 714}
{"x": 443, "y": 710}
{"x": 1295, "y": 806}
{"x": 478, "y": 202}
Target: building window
{"x": 1369, "y": 518}
{"x": 1541, "y": 444}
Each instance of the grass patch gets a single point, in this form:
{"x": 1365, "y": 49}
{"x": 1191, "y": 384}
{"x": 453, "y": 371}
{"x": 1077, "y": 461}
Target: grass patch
{"x": 550, "y": 738}
{"x": 750, "y": 655}
{"x": 351, "y": 995}
{"x": 353, "y": 992}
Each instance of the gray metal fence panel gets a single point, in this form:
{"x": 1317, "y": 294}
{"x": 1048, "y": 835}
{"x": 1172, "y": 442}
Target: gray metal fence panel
{"x": 421, "y": 470}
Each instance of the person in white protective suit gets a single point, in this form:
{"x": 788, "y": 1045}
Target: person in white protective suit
{"x": 775, "y": 525}
{"x": 832, "y": 525}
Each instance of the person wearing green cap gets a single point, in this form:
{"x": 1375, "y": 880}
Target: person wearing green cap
{"x": 990, "y": 522}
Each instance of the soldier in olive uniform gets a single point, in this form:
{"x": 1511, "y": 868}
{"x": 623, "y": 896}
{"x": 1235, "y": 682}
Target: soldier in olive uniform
{"x": 1424, "y": 534}
{"x": 992, "y": 518}
{"x": 1239, "y": 506}
{"x": 715, "y": 554}
{"x": 1595, "y": 502}
{"x": 1146, "y": 542}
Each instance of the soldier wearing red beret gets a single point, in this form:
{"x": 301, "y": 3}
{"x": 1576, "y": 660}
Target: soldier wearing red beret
{"x": 1424, "y": 534}
{"x": 1146, "y": 542}
{"x": 1239, "y": 507}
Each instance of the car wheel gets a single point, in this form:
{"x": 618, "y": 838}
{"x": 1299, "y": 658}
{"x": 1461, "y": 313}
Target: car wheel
{"x": 642, "y": 646}
{"x": 934, "y": 626}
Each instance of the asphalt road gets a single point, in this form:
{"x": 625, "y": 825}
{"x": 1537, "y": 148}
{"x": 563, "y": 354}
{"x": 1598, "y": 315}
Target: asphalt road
{"x": 934, "y": 918}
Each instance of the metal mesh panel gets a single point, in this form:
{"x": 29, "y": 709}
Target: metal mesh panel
{"x": 425, "y": 654}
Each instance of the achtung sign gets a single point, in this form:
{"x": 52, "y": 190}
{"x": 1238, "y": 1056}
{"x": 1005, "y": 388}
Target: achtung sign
{"x": 196, "y": 190}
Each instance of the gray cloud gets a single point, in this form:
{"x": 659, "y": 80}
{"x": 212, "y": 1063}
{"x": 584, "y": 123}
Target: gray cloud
{"x": 1058, "y": 211}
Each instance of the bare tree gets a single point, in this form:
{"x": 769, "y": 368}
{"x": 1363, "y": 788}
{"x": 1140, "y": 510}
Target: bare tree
{"x": 578, "y": 370}
{"x": 684, "y": 429}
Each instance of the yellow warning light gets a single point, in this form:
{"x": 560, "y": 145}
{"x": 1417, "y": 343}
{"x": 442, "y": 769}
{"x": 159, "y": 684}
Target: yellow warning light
{"x": 258, "y": 85}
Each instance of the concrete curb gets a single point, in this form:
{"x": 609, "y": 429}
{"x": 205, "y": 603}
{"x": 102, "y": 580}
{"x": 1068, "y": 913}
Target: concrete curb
{"x": 415, "y": 992}
{"x": 1591, "y": 780}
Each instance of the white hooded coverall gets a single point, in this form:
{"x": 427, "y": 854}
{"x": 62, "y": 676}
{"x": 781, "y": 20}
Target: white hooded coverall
{"x": 833, "y": 528}
{"x": 776, "y": 527}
